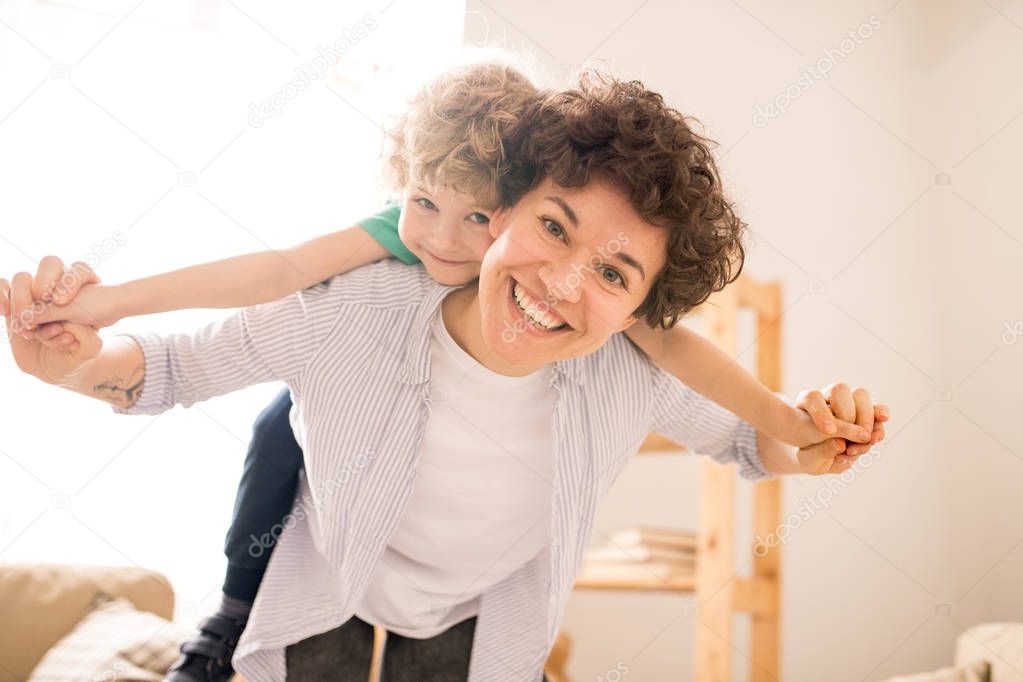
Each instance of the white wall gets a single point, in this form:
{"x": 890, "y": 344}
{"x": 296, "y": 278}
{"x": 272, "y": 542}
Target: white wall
{"x": 919, "y": 276}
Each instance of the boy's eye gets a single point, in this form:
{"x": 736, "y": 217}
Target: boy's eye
{"x": 426, "y": 203}
{"x": 554, "y": 229}
{"x": 479, "y": 218}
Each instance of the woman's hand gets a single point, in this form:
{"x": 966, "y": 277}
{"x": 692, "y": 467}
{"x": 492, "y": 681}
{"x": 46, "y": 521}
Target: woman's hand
{"x": 52, "y": 355}
{"x": 832, "y": 453}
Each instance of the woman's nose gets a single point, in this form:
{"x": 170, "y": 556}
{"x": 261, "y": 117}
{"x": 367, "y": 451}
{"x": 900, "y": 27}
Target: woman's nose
{"x": 563, "y": 283}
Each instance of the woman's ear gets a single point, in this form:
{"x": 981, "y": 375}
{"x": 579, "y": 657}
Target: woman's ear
{"x": 629, "y": 321}
{"x": 498, "y": 221}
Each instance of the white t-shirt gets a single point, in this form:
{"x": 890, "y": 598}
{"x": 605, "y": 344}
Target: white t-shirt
{"x": 480, "y": 505}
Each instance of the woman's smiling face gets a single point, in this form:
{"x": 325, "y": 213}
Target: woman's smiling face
{"x": 567, "y": 270}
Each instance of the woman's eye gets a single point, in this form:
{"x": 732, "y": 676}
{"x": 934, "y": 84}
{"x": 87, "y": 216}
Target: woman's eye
{"x": 612, "y": 276}
{"x": 479, "y": 218}
{"x": 554, "y": 229}
{"x": 426, "y": 203}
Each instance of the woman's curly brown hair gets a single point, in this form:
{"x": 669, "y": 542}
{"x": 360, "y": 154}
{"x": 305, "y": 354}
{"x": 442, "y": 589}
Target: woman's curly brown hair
{"x": 623, "y": 133}
{"x": 452, "y": 135}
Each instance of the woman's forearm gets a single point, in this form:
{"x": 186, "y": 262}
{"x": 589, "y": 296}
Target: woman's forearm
{"x": 115, "y": 376}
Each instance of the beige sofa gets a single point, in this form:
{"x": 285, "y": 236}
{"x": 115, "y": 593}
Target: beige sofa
{"x": 991, "y": 652}
{"x": 41, "y": 603}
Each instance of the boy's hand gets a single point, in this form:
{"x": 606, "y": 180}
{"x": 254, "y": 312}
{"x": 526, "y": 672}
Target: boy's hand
{"x": 66, "y": 295}
{"x": 832, "y": 413}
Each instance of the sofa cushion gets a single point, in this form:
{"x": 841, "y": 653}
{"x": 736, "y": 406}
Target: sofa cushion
{"x": 1000, "y": 644}
{"x": 975, "y": 671}
{"x": 40, "y": 603}
{"x": 114, "y": 643}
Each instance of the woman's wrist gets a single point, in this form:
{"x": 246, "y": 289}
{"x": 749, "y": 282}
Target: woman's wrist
{"x": 777, "y": 457}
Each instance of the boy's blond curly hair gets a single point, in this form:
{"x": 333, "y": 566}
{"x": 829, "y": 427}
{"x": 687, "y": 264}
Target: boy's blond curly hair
{"x": 452, "y": 135}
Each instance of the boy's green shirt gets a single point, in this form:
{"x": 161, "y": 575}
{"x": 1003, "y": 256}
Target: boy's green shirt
{"x": 383, "y": 227}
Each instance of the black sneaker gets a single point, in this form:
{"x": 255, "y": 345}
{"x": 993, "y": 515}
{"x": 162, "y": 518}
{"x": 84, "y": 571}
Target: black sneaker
{"x": 207, "y": 658}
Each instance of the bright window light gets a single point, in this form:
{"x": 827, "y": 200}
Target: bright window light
{"x": 145, "y": 136}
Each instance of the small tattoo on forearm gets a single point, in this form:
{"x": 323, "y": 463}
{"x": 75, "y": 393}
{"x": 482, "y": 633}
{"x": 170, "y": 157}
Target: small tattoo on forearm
{"x": 120, "y": 392}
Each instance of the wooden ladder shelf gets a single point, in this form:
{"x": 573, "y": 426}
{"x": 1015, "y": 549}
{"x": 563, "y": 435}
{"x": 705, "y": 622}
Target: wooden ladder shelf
{"x": 719, "y": 592}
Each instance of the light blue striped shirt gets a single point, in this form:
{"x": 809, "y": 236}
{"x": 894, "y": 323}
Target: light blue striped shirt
{"x": 355, "y": 351}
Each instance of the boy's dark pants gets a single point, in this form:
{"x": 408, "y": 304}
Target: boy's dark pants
{"x": 265, "y": 497}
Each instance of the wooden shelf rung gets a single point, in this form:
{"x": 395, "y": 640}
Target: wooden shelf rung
{"x": 679, "y": 583}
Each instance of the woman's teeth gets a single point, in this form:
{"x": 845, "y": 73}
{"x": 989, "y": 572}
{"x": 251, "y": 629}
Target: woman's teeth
{"x": 533, "y": 311}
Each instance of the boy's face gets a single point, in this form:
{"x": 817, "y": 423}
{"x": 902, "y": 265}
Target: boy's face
{"x": 446, "y": 230}
{"x": 567, "y": 270}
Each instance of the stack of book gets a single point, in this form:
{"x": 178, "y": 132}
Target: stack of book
{"x": 640, "y": 554}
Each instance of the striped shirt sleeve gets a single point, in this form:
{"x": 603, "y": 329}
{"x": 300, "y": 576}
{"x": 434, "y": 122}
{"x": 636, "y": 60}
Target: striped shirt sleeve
{"x": 684, "y": 416}
{"x": 268, "y": 342}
